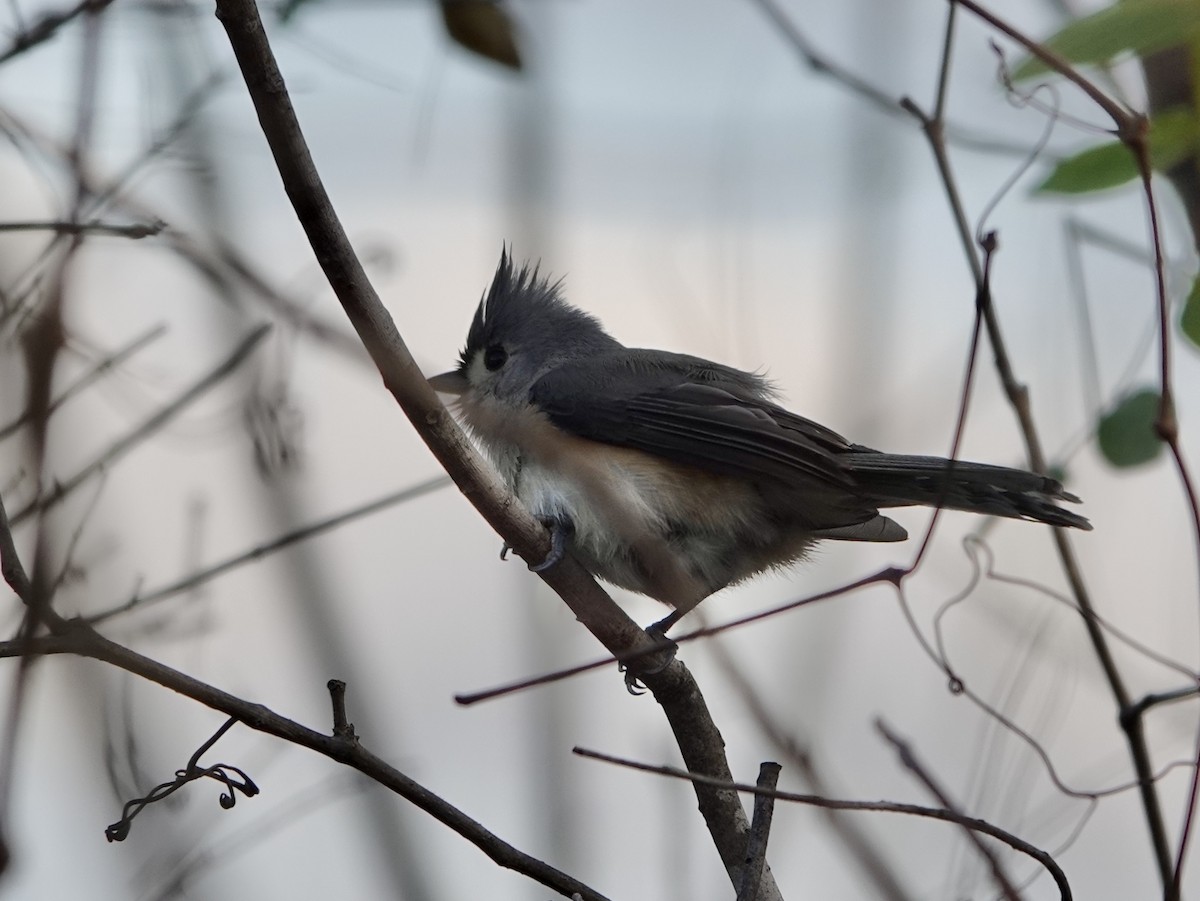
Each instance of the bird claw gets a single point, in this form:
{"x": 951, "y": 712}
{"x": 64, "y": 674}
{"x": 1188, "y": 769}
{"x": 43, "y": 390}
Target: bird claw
{"x": 560, "y": 530}
{"x": 658, "y": 632}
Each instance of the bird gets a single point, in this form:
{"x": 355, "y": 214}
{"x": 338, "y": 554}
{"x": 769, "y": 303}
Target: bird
{"x": 675, "y": 476}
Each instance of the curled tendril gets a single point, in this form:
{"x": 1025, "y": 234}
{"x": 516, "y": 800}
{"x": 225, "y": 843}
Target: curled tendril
{"x": 233, "y": 778}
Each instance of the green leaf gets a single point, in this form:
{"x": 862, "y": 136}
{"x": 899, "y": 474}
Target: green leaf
{"x": 1189, "y": 322}
{"x": 1126, "y": 435}
{"x": 1138, "y": 26}
{"x": 1095, "y": 169}
{"x": 1174, "y": 135}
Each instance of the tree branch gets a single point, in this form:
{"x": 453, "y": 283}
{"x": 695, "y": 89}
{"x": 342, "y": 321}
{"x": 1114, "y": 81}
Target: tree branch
{"x": 140, "y": 601}
{"x": 760, "y": 831}
{"x": 78, "y": 638}
{"x": 1018, "y": 397}
{"x": 674, "y": 688}
{"x": 909, "y": 759}
{"x": 933, "y": 813}
{"x": 99, "y": 369}
{"x": 160, "y": 418}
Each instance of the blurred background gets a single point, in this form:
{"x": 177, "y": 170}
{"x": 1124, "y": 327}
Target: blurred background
{"x": 700, "y": 188}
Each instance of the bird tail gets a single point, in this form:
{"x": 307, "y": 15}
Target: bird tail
{"x": 896, "y": 480}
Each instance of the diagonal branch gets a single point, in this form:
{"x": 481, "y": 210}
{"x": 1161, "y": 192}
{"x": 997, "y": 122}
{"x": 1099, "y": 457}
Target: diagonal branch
{"x": 159, "y": 419}
{"x": 187, "y": 583}
{"x": 76, "y": 637}
{"x": 96, "y": 371}
{"x": 1018, "y": 397}
{"x": 760, "y": 831}
{"x": 47, "y": 27}
{"x": 79, "y": 638}
{"x": 909, "y": 759}
{"x": 933, "y": 813}
{"x": 674, "y": 688}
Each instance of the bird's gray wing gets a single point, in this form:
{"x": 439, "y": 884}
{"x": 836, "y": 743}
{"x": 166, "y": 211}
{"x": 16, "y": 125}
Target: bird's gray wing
{"x": 688, "y": 410}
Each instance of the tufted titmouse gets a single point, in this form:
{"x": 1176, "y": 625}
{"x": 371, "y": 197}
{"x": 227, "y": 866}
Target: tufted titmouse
{"x": 674, "y": 476}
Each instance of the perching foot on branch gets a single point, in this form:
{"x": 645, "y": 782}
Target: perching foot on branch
{"x": 657, "y": 631}
{"x": 560, "y": 528}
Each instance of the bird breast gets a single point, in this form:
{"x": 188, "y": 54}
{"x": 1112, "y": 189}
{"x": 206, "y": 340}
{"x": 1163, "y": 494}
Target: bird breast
{"x": 664, "y": 529}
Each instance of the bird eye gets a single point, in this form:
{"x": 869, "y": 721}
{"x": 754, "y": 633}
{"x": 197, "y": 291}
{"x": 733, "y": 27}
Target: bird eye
{"x": 494, "y": 357}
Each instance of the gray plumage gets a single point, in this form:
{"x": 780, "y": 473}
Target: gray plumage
{"x": 675, "y": 476}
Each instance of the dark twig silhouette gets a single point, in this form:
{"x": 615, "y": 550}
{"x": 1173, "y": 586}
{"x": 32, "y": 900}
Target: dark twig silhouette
{"x": 934, "y": 813}
{"x": 234, "y": 779}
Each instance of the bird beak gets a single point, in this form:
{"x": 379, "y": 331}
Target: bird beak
{"x": 452, "y": 382}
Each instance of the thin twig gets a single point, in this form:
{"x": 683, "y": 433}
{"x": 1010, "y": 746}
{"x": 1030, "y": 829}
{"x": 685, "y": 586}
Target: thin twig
{"x": 80, "y": 639}
{"x": 48, "y": 26}
{"x": 1166, "y": 425}
{"x": 760, "y": 830}
{"x": 342, "y": 727}
{"x": 960, "y": 686}
{"x": 77, "y": 637}
{"x": 92, "y": 196}
{"x": 140, "y": 601}
{"x": 886, "y": 103}
{"x": 1128, "y": 126}
{"x": 103, "y": 366}
{"x": 135, "y": 231}
{"x": 210, "y": 264}
{"x": 973, "y": 544}
{"x": 1121, "y": 115}
{"x": 890, "y": 575}
{"x": 933, "y": 813}
{"x": 1162, "y": 697}
{"x": 909, "y": 759}
{"x": 676, "y": 691}
{"x": 159, "y": 419}
{"x": 870, "y": 860}
{"x": 943, "y": 82}
{"x": 10, "y": 562}
{"x": 77, "y": 535}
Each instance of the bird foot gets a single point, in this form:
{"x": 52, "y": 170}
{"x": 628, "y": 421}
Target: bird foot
{"x": 560, "y": 529}
{"x": 658, "y": 632}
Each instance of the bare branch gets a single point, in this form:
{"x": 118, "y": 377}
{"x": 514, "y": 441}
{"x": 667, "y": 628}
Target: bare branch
{"x": 933, "y": 813}
{"x": 342, "y": 727}
{"x": 103, "y": 366}
{"x": 674, "y": 688}
{"x": 760, "y": 831}
{"x": 76, "y": 637}
{"x": 164, "y": 415}
{"x": 888, "y": 104}
{"x": 870, "y": 860}
{"x": 136, "y": 231}
{"x": 909, "y": 759}
{"x": 47, "y": 27}
{"x": 141, "y": 601}
{"x": 210, "y": 264}
{"x": 1127, "y": 126}
{"x": 1121, "y": 115}
{"x": 10, "y": 562}
{"x": 891, "y": 575}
